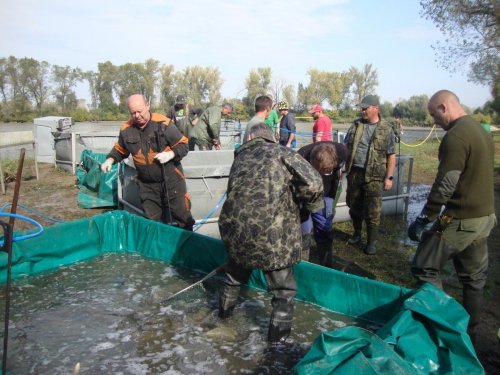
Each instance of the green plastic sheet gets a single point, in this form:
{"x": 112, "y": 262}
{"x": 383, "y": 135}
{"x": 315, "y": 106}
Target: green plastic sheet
{"x": 423, "y": 331}
{"x": 427, "y": 336}
{"x": 96, "y": 189}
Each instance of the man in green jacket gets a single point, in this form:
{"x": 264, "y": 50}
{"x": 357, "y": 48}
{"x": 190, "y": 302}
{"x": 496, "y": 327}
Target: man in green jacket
{"x": 370, "y": 169}
{"x": 260, "y": 223}
{"x": 205, "y": 134}
{"x": 464, "y": 186}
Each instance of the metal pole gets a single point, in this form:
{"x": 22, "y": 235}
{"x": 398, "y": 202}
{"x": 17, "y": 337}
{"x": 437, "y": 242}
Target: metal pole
{"x": 7, "y": 247}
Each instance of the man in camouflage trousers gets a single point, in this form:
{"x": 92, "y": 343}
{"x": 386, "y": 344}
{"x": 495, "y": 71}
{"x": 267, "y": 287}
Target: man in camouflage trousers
{"x": 260, "y": 223}
{"x": 370, "y": 169}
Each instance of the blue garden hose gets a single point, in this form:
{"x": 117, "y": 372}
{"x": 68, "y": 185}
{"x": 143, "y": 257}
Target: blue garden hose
{"x": 32, "y": 211}
{"x": 26, "y": 236}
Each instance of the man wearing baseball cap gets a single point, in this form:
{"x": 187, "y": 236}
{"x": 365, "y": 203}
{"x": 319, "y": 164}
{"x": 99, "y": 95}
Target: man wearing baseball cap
{"x": 369, "y": 169}
{"x": 322, "y": 128}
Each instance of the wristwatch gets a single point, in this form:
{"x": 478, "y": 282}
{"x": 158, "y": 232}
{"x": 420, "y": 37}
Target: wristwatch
{"x": 390, "y": 178}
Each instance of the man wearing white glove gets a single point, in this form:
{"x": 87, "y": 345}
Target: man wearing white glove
{"x": 157, "y": 149}
{"x": 165, "y": 157}
{"x": 106, "y": 166}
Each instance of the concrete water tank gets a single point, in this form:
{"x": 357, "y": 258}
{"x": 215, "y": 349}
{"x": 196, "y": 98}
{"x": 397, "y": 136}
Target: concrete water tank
{"x": 44, "y": 127}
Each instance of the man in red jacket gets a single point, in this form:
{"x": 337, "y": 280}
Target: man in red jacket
{"x": 322, "y": 129}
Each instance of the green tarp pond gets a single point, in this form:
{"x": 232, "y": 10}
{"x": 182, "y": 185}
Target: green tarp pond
{"x": 423, "y": 331}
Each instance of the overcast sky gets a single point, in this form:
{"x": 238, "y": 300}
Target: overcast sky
{"x": 289, "y": 36}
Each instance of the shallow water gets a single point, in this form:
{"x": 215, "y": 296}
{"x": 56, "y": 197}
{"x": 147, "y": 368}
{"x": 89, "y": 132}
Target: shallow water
{"x": 418, "y": 198}
{"x": 108, "y": 315}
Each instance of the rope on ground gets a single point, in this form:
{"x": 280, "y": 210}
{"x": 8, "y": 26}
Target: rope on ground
{"x": 439, "y": 141}
{"x": 425, "y": 140}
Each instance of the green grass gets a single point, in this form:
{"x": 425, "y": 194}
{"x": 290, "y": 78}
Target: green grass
{"x": 425, "y": 160}
{"x": 10, "y": 166}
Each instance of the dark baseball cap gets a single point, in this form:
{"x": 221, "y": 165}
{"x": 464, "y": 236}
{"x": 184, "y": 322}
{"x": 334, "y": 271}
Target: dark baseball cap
{"x": 368, "y": 101}
{"x": 180, "y": 99}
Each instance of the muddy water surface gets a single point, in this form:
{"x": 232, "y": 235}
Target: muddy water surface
{"x": 109, "y": 315}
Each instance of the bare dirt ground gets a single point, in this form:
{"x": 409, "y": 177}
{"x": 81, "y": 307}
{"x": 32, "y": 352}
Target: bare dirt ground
{"x": 55, "y": 195}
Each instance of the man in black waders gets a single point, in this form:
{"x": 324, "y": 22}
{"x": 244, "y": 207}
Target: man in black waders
{"x": 157, "y": 149}
{"x": 260, "y": 223}
{"x": 370, "y": 168}
{"x": 464, "y": 186}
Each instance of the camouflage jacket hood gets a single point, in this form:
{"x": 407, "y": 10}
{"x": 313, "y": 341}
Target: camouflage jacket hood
{"x": 259, "y": 222}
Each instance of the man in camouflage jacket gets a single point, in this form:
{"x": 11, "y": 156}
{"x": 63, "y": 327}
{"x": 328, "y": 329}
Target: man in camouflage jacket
{"x": 260, "y": 224}
{"x": 370, "y": 170}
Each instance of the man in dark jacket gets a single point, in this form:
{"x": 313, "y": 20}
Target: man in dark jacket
{"x": 260, "y": 222}
{"x": 286, "y": 125}
{"x": 328, "y": 159}
{"x": 464, "y": 186}
{"x": 157, "y": 148}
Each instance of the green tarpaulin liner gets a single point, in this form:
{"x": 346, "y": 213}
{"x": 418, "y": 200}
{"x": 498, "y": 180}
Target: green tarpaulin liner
{"x": 96, "y": 189}
{"x": 427, "y": 336}
{"x": 414, "y": 331}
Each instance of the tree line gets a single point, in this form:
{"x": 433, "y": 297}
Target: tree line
{"x": 32, "y": 88}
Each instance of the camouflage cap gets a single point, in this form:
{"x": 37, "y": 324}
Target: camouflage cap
{"x": 368, "y": 101}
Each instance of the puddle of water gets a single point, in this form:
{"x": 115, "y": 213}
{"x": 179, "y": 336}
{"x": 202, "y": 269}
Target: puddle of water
{"x": 107, "y": 314}
{"x": 418, "y": 198}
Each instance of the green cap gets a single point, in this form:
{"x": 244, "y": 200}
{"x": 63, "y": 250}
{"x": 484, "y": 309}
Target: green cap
{"x": 368, "y": 101}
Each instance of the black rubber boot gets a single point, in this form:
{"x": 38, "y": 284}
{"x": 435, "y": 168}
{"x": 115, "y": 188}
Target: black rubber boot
{"x": 228, "y": 297}
{"x": 325, "y": 253}
{"x": 278, "y": 334}
{"x": 283, "y": 286}
{"x": 306, "y": 247}
{"x": 226, "y": 313}
{"x": 473, "y": 302}
{"x": 371, "y": 246}
{"x": 358, "y": 226}
{"x": 280, "y": 324}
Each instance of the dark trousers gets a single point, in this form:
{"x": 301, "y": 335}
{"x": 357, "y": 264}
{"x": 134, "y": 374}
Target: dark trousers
{"x": 178, "y": 205}
{"x": 282, "y": 285}
{"x": 203, "y": 144}
{"x": 465, "y": 242}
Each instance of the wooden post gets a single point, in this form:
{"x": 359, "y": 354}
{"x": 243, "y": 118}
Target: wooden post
{"x": 2, "y": 183}
{"x": 73, "y": 152}
{"x": 36, "y": 163}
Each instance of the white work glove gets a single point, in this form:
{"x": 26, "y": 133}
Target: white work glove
{"x": 165, "y": 156}
{"x": 106, "y": 166}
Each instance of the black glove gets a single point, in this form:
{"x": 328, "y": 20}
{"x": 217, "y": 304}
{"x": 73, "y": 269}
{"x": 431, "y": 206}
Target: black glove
{"x": 417, "y": 227}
